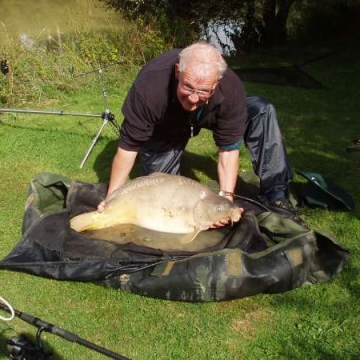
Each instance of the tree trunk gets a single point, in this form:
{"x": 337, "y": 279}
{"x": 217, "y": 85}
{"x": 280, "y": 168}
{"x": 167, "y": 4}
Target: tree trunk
{"x": 275, "y": 15}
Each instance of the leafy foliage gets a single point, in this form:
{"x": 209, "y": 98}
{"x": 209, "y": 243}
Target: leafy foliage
{"x": 328, "y": 19}
{"x": 181, "y": 21}
{"x": 40, "y": 68}
{"x": 248, "y": 23}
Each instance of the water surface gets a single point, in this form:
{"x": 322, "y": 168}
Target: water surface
{"x": 39, "y": 19}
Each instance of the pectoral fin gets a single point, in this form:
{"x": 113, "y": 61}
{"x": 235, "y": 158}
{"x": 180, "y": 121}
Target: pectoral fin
{"x": 188, "y": 238}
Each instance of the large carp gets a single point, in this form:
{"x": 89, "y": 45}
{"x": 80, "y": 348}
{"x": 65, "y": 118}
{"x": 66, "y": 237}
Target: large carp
{"x": 161, "y": 202}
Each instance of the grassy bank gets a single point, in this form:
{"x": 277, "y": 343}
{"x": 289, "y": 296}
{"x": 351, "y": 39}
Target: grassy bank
{"x": 317, "y": 322}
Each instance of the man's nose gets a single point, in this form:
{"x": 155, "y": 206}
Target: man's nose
{"x": 194, "y": 97}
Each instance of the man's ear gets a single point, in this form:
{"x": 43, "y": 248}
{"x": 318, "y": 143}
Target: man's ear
{"x": 177, "y": 72}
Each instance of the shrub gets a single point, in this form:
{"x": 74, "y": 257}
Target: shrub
{"x": 41, "y": 69}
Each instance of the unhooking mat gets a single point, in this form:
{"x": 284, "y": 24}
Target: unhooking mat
{"x": 263, "y": 253}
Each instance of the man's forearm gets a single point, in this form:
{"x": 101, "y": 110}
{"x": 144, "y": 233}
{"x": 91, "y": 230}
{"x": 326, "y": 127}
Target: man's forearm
{"x": 228, "y": 168}
{"x": 121, "y": 166}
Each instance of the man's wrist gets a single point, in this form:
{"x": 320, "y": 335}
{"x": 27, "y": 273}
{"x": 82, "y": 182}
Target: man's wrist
{"x": 228, "y": 194}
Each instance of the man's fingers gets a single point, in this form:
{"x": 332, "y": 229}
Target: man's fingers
{"x": 224, "y": 222}
{"x": 220, "y": 224}
{"x": 101, "y": 206}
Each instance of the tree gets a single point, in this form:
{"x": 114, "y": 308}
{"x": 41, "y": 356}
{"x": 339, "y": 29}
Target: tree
{"x": 254, "y": 22}
{"x": 275, "y": 15}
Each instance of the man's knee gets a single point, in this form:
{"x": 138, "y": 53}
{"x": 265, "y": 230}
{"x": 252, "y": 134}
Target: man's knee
{"x": 166, "y": 162}
{"x": 258, "y": 105}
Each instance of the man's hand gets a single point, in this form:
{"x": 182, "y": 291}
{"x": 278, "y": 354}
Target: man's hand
{"x": 224, "y": 222}
{"x": 101, "y": 207}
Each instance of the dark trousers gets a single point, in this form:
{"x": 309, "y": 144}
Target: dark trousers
{"x": 263, "y": 139}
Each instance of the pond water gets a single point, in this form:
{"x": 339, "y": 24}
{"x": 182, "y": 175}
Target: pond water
{"x": 32, "y": 20}
{"x": 38, "y": 19}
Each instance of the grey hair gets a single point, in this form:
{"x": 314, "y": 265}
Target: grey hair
{"x": 204, "y": 58}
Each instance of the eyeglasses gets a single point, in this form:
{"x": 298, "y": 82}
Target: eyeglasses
{"x": 202, "y": 94}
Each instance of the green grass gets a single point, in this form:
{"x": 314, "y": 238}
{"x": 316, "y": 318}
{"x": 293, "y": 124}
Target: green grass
{"x": 317, "y": 322}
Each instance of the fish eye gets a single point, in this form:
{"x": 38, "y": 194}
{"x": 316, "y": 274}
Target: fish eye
{"x": 219, "y": 208}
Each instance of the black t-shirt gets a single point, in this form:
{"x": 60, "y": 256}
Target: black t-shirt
{"x": 153, "y": 112}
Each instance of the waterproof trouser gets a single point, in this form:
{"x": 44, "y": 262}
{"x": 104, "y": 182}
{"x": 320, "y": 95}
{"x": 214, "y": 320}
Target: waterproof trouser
{"x": 262, "y": 137}
{"x": 266, "y": 145}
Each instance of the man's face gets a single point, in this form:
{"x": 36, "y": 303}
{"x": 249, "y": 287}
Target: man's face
{"x": 192, "y": 91}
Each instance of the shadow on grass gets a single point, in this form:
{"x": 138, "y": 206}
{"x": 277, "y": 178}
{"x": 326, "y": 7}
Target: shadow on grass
{"x": 285, "y": 76}
{"x": 3, "y": 338}
{"x": 102, "y": 163}
{"x": 189, "y": 164}
{"x": 292, "y": 75}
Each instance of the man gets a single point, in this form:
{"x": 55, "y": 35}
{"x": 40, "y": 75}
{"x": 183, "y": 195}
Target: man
{"x": 182, "y": 91}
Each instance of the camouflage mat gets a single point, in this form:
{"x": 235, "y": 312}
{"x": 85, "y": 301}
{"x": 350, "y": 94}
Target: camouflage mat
{"x": 263, "y": 253}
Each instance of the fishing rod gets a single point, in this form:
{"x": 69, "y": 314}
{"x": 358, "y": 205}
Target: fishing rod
{"x": 106, "y": 116}
{"x": 19, "y": 346}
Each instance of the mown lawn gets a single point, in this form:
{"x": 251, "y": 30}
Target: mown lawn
{"x": 316, "y": 322}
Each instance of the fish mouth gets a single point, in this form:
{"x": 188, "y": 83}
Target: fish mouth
{"x": 235, "y": 215}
